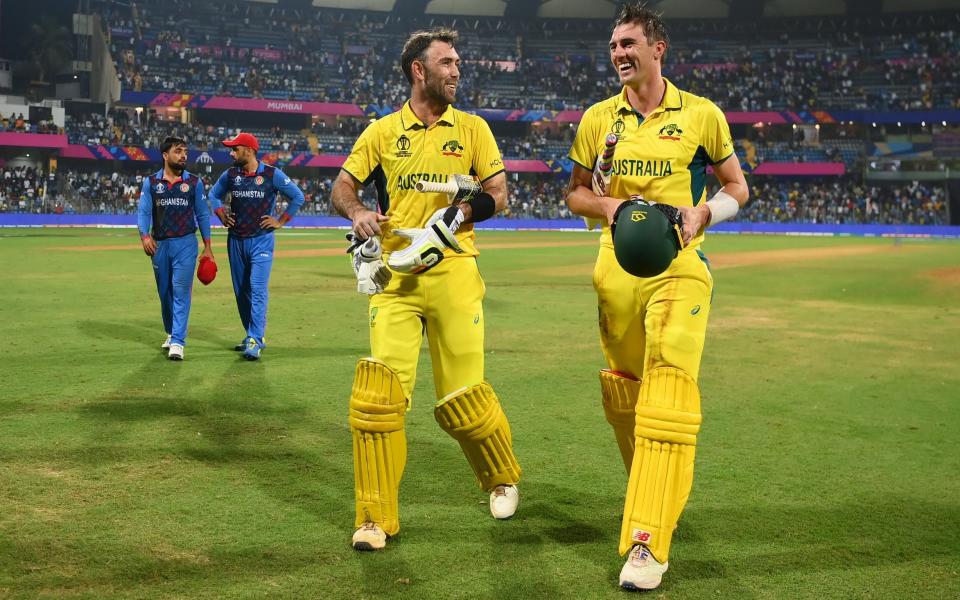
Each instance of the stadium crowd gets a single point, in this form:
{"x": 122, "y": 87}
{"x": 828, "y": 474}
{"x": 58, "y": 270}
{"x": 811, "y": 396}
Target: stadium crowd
{"x": 324, "y": 55}
{"x": 21, "y": 189}
{"x": 777, "y": 200}
{"x": 124, "y": 127}
{"x": 17, "y": 123}
{"x": 844, "y": 201}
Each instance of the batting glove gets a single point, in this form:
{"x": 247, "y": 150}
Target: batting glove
{"x": 372, "y": 275}
{"x": 427, "y": 245}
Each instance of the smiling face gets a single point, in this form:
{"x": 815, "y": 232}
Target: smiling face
{"x": 634, "y": 57}
{"x": 439, "y": 72}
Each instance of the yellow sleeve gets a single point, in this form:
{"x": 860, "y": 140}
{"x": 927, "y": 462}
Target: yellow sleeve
{"x": 487, "y": 161}
{"x": 365, "y": 156}
{"x": 716, "y": 138}
{"x": 585, "y": 149}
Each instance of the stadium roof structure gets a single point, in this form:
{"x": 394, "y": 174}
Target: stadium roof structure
{"x": 604, "y": 9}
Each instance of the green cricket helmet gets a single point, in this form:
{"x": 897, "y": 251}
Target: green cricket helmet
{"x": 645, "y": 239}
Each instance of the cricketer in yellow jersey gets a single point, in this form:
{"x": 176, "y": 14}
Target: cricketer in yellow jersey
{"x": 652, "y": 329}
{"x": 426, "y": 139}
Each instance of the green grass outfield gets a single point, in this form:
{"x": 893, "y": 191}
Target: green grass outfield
{"x": 827, "y": 467}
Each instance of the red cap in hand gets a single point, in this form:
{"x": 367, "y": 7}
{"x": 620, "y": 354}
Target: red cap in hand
{"x": 207, "y": 270}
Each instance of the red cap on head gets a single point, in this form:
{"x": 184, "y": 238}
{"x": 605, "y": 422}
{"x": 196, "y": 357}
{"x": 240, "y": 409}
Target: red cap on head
{"x": 207, "y": 271}
{"x": 243, "y": 139}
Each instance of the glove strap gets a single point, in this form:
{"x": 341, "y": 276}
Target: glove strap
{"x": 452, "y": 218}
{"x": 446, "y": 235}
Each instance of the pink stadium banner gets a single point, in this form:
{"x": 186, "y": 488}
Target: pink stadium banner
{"x": 568, "y": 116}
{"x": 284, "y": 106}
{"x": 810, "y": 168}
{"x": 33, "y": 140}
{"x": 749, "y": 118}
{"x": 78, "y": 151}
{"x": 518, "y": 166}
{"x": 326, "y": 160}
{"x": 526, "y": 166}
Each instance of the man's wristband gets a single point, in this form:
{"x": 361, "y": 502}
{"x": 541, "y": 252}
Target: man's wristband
{"x": 722, "y": 207}
{"x": 483, "y": 207}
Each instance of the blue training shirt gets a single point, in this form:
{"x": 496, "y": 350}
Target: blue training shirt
{"x": 254, "y": 196}
{"x": 173, "y": 209}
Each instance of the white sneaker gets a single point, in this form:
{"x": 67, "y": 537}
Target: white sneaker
{"x": 503, "y": 501}
{"x": 176, "y": 352}
{"x": 166, "y": 343}
{"x": 369, "y": 537}
{"x": 641, "y": 571}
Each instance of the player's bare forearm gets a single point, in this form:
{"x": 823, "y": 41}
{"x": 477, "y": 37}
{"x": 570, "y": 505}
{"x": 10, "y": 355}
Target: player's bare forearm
{"x": 582, "y": 200}
{"x": 732, "y": 180}
{"x": 733, "y": 183}
{"x": 344, "y": 196}
{"x": 496, "y": 186}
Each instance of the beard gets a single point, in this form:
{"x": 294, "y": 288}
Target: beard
{"x": 239, "y": 163}
{"x": 177, "y": 167}
{"x": 437, "y": 90}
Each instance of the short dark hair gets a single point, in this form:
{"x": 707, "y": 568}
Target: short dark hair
{"x": 416, "y": 47}
{"x": 649, "y": 21}
{"x": 170, "y": 142}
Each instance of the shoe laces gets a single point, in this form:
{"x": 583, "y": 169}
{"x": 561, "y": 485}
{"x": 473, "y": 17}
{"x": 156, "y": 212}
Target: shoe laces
{"x": 500, "y": 491}
{"x": 368, "y": 526}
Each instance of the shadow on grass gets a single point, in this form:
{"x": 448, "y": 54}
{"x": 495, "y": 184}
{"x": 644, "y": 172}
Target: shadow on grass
{"x": 142, "y": 333}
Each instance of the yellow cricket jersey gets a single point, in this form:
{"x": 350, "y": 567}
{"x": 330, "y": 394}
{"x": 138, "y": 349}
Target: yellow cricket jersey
{"x": 662, "y": 157}
{"x": 397, "y": 151}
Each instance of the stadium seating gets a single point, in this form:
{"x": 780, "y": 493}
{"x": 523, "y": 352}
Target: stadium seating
{"x": 352, "y": 56}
